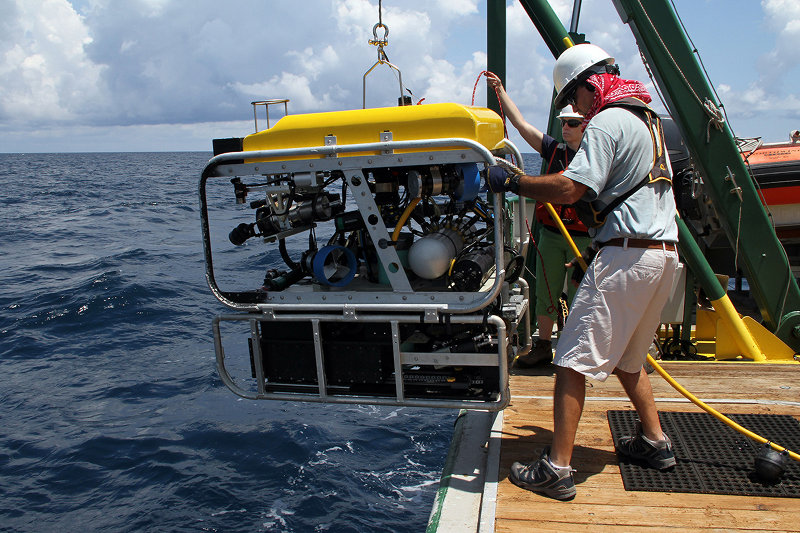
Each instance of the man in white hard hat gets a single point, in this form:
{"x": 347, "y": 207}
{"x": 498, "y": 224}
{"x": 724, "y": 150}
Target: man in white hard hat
{"x": 554, "y": 251}
{"x": 621, "y": 174}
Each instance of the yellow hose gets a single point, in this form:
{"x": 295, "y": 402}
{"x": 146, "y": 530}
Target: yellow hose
{"x": 716, "y": 414}
{"x": 403, "y": 218}
{"x": 563, "y": 229}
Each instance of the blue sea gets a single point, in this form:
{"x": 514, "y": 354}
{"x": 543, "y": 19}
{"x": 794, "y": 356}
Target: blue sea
{"x": 113, "y": 415}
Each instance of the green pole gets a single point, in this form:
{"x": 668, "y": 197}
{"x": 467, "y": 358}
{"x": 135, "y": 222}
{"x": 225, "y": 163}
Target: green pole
{"x": 546, "y": 21}
{"x": 495, "y": 47}
{"x": 693, "y": 256}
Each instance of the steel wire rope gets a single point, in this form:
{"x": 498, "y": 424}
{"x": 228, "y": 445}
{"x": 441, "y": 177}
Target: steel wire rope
{"x": 382, "y": 57}
{"x": 716, "y": 117}
{"x": 725, "y": 111}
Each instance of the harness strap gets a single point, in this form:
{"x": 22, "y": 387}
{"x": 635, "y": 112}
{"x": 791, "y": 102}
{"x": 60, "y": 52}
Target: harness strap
{"x": 657, "y": 172}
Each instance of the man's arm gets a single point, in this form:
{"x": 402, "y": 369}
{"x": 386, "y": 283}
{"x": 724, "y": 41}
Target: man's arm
{"x": 552, "y": 188}
{"x": 532, "y": 135}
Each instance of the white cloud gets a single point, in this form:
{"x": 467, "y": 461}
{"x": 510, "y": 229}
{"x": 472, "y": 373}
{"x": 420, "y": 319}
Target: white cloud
{"x": 783, "y": 19}
{"x": 457, "y": 8}
{"x": 113, "y": 63}
{"x": 300, "y": 88}
{"x": 446, "y": 82}
{"x": 45, "y": 73}
{"x": 316, "y": 63}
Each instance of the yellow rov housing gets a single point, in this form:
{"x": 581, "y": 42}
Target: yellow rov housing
{"x": 359, "y": 126}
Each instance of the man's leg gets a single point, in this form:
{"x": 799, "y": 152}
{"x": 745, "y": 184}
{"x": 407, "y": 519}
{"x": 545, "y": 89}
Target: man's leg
{"x": 568, "y": 399}
{"x": 545, "y": 324}
{"x": 652, "y": 445}
{"x": 551, "y": 475}
{"x": 637, "y": 387}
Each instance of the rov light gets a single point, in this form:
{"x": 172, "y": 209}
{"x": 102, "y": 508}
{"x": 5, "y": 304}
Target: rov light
{"x": 430, "y": 256}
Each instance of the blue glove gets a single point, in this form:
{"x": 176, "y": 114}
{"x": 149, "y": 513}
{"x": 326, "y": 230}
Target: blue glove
{"x": 497, "y": 178}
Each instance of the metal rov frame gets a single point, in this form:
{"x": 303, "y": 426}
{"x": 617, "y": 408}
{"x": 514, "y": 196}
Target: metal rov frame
{"x": 391, "y": 312}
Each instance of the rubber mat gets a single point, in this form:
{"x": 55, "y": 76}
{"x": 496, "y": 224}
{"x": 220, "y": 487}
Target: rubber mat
{"x": 712, "y": 457}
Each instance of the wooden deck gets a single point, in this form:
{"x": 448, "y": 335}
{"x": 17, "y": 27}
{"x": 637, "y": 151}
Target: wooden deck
{"x": 602, "y": 504}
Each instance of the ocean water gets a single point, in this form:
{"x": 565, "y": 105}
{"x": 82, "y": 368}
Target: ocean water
{"x": 112, "y": 415}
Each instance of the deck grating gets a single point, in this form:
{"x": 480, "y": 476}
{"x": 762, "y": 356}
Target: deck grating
{"x": 712, "y": 457}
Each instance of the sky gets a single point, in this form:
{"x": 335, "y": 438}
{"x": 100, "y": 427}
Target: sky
{"x": 170, "y": 75}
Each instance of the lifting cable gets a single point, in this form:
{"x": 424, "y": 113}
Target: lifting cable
{"x": 383, "y": 59}
{"x": 497, "y": 93}
{"x": 380, "y": 43}
{"x": 716, "y": 116}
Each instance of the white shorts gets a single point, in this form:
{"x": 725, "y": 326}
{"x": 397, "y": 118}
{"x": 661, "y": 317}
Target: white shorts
{"x": 616, "y": 311}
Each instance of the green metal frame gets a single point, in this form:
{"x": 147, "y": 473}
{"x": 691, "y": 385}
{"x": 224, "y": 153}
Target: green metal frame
{"x": 546, "y": 21}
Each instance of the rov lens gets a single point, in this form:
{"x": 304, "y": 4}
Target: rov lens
{"x": 241, "y": 233}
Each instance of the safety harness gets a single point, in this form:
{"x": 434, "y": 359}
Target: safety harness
{"x": 594, "y": 218}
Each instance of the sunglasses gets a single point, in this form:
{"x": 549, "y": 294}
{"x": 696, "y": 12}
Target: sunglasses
{"x": 570, "y": 98}
{"x": 572, "y": 122}
{"x": 573, "y": 93}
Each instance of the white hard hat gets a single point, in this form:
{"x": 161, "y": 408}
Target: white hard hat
{"x": 573, "y": 62}
{"x": 568, "y": 113}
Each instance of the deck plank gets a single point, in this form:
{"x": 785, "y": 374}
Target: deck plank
{"x": 602, "y": 503}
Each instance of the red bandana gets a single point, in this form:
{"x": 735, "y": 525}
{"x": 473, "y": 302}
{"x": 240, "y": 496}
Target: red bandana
{"x": 611, "y": 88}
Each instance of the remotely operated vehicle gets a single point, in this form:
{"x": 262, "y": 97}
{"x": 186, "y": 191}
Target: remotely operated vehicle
{"x": 385, "y": 275}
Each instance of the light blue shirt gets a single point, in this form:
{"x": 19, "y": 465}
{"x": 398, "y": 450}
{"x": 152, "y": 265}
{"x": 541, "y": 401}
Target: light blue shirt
{"x": 616, "y": 153}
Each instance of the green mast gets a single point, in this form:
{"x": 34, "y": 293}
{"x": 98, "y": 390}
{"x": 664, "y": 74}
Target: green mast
{"x": 495, "y": 46}
{"x": 546, "y": 21}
